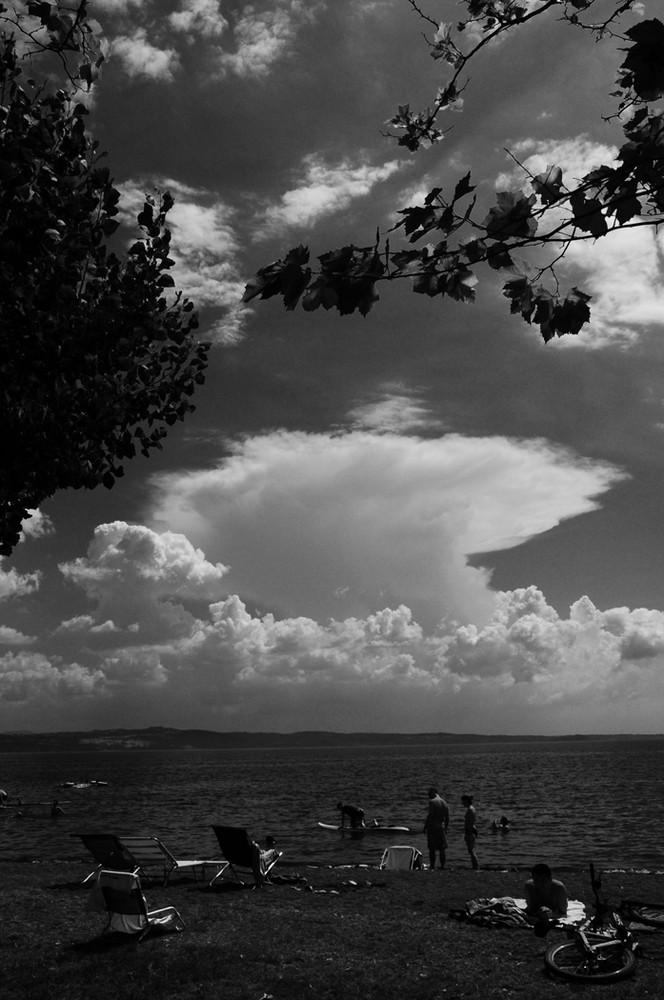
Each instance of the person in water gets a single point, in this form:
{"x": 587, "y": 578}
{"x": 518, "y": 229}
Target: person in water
{"x": 435, "y": 827}
{"x": 546, "y": 897}
{"x": 56, "y": 809}
{"x": 470, "y": 830}
{"x": 354, "y": 815}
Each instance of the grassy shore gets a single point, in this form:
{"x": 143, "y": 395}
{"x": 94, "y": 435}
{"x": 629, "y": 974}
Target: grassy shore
{"x": 344, "y": 932}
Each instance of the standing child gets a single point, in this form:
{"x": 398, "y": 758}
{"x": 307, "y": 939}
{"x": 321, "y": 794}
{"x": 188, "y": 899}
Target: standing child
{"x": 470, "y": 830}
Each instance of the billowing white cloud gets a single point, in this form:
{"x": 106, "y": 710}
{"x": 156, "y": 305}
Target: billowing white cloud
{"x": 11, "y": 637}
{"x": 245, "y": 43}
{"x": 13, "y": 584}
{"x": 532, "y": 657}
{"x": 205, "y": 249}
{"x": 134, "y": 668}
{"x": 527, "y": 669}
{"x": 623, "y": 271}
{"x": 38, "y": 525}
{"x": 263, "y": 34}
{"x": 165, "y": 564}
{"x": 201, "y": 18}
{"x": 395, "y": 411}
{"x": 80, "y": 623}
{"x": 323, "y": 190}
{"x": 139, "y": 580}
{"x": 27, "y": 677}
{"x": 325, "y": 525}
{"x": 118, "y": 6}
{"x": 142, "y": 60}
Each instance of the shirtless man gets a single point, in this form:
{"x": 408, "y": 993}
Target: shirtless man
{"x": 435, "y": 827}
{"x": 546, "y": 897}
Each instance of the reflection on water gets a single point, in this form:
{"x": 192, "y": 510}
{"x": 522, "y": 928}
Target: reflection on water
{"x": 568, "y": 803}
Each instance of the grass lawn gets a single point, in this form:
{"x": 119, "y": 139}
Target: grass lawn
{"x": 345, "y": 932}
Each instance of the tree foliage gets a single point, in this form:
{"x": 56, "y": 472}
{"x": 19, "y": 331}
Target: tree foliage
{"x": 98, "y": 354}
{"x": 460, "y": 237}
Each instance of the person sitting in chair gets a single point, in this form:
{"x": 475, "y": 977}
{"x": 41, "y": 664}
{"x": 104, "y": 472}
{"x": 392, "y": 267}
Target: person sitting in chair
{"x": 355, "y": 816}
{"x": 263, "y": 858}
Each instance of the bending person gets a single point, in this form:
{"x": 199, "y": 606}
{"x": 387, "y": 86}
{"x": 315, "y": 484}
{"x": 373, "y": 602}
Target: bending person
{"x": 354, "y": 814}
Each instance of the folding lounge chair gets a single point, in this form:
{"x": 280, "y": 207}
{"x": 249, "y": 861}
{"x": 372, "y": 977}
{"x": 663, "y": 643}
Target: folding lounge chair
{"x": 119, "y": 894}
{"x": 240, "y": 851}
{"x": 108, "y": 852}
{"x": 151, "y": 856}
{"x": 399, "y": 857}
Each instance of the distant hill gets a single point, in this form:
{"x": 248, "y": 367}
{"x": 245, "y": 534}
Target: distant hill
{"x": 160, "y": 738}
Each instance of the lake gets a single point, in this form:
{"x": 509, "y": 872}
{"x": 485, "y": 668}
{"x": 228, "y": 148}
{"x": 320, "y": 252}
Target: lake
{"x": 568, "y": 803}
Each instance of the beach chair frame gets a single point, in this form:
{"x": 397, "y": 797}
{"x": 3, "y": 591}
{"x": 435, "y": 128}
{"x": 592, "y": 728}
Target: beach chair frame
{"x": 147, "y": 855}
{"x": 108, "y": 852}
{"x": 150, "y": 854}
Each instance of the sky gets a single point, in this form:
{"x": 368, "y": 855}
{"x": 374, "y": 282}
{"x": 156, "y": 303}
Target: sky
{"x": 425, "y": 520}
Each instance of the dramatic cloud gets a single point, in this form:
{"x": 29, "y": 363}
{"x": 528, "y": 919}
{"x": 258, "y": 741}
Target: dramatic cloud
{"x": 138, "y": 579}
{"x": 202, "y": 18}
{"x": 246, "y": 44}
{"x": 528, "y": 669}
{"x": 323, "y": 190}
{"x": 118, "y": 6}
{"x": 321, "y": 525}
{"x": 13, "y": 584}
{"x": 166, "y": 564}
{"x": 395, "y": 411}
{"x": 263, "y": 34}
{"x": 38, "y": 525}
{"x": 32, "y": 677}
{"x": 10, "y": 637}
{"x": 142, "y": 60}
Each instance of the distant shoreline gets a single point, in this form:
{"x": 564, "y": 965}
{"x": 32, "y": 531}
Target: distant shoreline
{"x": 161, "y": 738}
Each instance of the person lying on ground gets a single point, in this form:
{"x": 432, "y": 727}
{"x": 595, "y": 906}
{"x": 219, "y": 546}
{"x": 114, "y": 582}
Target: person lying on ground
{"x": 546, "y": 897}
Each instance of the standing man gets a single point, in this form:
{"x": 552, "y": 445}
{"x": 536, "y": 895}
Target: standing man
{"x": 435, "y": 827}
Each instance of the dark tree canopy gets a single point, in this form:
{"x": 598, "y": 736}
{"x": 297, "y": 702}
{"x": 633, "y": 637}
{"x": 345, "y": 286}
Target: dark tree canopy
{"x": 98, "y": 356}
{"x": 448, "y": 237}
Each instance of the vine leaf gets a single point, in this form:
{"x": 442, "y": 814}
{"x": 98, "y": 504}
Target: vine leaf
{"x": 512, "y": 216}
{"x": 643, "y": 66}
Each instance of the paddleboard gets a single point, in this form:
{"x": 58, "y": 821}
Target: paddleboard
{"x": 364, "y": 829}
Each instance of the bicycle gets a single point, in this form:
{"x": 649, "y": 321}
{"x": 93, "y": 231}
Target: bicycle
{"x": 601, "y": 950}
{"x": 649, "y": 914}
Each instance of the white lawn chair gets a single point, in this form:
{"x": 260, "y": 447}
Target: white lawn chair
{"x": 401, "y": 857}
{"x": 119, "y": 894}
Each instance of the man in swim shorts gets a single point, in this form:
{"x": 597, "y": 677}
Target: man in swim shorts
{"x": 435, "y": 827}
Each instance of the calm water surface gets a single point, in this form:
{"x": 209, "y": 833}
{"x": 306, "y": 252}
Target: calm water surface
{"x": 568, "y": 803}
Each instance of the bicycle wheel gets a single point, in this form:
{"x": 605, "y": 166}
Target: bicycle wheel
{"x": 605, "y": 965}
{"x": 650, "y": 914}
